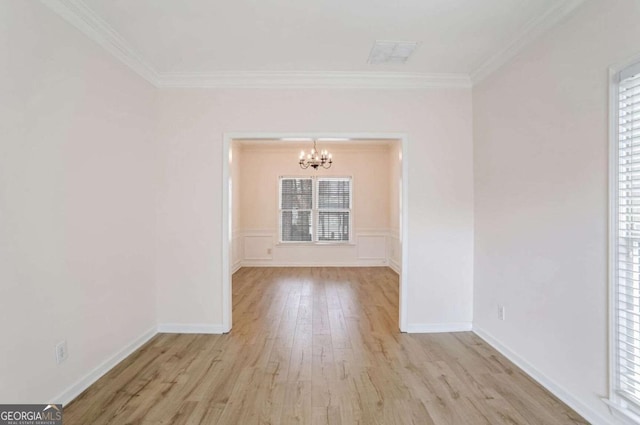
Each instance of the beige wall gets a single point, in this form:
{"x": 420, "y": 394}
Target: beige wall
{"x": 236, "y": 166}
{"x": 261, "y": 167}
{"x": 395, "y": 206}
{"x": 77, "y": 199}
{"x": 190, "y": 138}
{"x": 541, "y": 143}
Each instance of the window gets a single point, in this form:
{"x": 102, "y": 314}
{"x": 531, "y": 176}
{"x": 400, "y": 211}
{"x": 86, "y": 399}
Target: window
{"x": 625, "y": 242}
{"x": 315, "y": 209}
{"x": 296, "y": 209}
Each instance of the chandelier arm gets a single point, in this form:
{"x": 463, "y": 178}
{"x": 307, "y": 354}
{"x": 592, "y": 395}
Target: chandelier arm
{"x": 316, "y": 159}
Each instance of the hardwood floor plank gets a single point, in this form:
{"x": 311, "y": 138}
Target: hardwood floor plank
{"x": 317, "y": 346}
{"x": 297, "y": 405}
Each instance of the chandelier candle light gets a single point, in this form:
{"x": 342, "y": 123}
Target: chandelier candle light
{"x": 315, "y": 159}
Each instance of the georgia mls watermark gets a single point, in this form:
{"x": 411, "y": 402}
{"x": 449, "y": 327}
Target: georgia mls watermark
{"x": 30, "y": 414}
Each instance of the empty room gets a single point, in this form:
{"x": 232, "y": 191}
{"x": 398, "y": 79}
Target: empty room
{"x": 320, "y": 212}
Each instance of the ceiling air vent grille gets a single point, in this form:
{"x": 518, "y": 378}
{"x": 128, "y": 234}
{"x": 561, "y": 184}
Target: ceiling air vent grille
{"x": 391, "y": 51}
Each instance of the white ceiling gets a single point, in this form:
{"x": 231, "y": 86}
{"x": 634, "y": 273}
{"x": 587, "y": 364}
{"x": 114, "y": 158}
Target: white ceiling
{"x": 172, "y": 37}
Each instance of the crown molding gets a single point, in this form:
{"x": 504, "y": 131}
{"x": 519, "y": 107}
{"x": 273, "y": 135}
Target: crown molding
{"x": 530, "y": 32}
{"x": 314, "y": 80}
{"x": 78, "y": 14}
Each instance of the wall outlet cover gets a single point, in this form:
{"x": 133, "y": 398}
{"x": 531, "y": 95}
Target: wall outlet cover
{"x": 501, "y": 312}
{"x": 61, "y": 351}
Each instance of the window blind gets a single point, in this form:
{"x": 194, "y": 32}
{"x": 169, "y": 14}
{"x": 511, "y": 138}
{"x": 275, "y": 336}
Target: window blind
{"x": 334, "y": 209}
{"x": 627, "y": 279}
{"x": 315, "y": 209}
{"x": 296, "y": 208}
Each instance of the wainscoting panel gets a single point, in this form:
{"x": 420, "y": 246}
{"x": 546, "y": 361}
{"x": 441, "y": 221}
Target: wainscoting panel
{"x": 372, "y": 247}
{"x": 394, "y": 251}
{"x": 258, "y": 247}
{"x": 236, "y": 251}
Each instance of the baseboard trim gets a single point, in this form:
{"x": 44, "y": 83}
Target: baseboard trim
{"x": 190, "y": 328}
{"x": 89, "y": 379}
{"x": 429, "y": 328}
{"x": 583, "y": 409}
{"x": 395, "y": 266}
{"x": 237, "y": 266}
{"x": 269, "y": 263}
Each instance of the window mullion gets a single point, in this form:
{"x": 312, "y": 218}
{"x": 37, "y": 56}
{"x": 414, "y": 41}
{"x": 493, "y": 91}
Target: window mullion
{"x": 314, "y": 214}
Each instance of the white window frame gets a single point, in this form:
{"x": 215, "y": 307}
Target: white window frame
{"x": 315, "y": 211}
{"x": 626, "y": 410}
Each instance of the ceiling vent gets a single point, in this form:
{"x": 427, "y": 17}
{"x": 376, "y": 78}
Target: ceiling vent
{"x": 391, "y": 51}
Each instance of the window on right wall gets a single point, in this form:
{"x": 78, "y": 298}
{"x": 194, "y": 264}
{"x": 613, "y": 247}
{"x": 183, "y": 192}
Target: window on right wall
{"x": 624, "y": 246}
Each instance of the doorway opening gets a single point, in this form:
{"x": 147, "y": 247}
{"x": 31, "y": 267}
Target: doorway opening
{"x": 255, "y": 165}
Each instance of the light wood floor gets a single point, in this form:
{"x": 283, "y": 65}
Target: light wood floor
{"x": 317, "y": 346}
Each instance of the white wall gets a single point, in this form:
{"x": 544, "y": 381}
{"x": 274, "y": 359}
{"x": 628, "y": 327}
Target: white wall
{"x": 262, "y": 165}
{"x": 540, "y": 143}
{"x": 191, "y": 126}
{"x": 77, "y": 189}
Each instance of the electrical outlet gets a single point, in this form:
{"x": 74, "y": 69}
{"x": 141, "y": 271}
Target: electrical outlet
{"x": 61, "y": 352}
{"x": 268, "y": 251}
{"x": 501, "y": 312}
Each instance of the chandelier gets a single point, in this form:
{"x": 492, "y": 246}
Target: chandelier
{"x": 315, "y": 159}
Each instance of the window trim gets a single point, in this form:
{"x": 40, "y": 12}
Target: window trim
{"x": 621, "y": 407}
{"x": 315, "y": 212}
